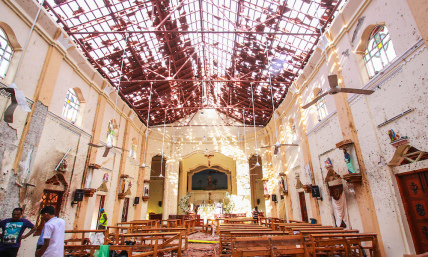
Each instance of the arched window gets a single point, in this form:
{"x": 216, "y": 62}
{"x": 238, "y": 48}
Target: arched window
{"x": 320, "y": 104}
{"x": 71, "y": 106}
{"x": 293, "y": 130}
{"x": 112, "y": 133}
{"x": 134, "y": 146}
{"x": 379, "y": 50}
{"x": 6, "y": 53}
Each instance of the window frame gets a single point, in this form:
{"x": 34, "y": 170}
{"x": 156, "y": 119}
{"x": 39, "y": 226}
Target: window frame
{"x": 377, "y": 57}
{"x": 4, "y": 51}
{"x": 67, "y": 106}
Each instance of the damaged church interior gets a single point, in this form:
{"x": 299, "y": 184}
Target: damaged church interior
{"x": 218, "y": 128}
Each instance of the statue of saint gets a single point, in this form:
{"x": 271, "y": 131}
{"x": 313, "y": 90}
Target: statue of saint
{"x": 348, "y": 162}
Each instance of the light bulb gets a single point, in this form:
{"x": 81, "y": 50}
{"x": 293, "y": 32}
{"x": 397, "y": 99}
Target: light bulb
{"x": 109, "y": 145}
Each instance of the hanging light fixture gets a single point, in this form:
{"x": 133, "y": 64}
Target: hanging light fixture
{"x": 255, "y": 133}
{"x": 163, "y": 142}
{"x": 147, "y": 130}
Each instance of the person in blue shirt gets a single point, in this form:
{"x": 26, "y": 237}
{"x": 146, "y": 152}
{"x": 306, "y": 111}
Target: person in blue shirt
{"x": 12, "y": 230}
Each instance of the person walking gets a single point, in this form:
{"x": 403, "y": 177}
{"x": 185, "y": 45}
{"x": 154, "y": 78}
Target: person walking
{"x": 102, "y": 222}
{"x": 53, "y": 234}
{"x": 12, "y": 230}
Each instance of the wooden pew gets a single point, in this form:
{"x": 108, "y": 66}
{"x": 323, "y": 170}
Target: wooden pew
{"x": 278, "y": 226}
{"x": 225, "y": 237}
{"x": 355, "y": 241}
{"x": 155, "y": 244}
{"x": 268, "y": 246}
{"x": 85, "y": 250}
{"x": 83, "y": 238}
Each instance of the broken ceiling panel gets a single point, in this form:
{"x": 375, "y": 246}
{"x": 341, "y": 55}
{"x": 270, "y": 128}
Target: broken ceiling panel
{"x": 182, "y": 56}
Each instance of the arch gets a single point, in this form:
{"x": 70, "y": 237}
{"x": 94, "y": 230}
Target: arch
{"x": 79, "y": 94}
{"x": 11, "y": 36}
{"x": 361, "y": 47}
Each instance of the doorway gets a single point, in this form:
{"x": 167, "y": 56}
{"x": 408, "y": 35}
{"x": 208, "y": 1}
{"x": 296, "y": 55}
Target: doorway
{"x": 49, "y": 198}
{"x": 125, "y": 210}
{"x": 303, "y": 209}
{"x": 157, "y": 181}
{"x": 256, "y": 183}
{"x": 414, "y": 193}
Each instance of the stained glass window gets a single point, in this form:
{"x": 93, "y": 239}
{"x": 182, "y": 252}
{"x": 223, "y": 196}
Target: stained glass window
{"x": 133, "y": 151}
{"x": 112, "y": 133}
{"x": 6, "y": 53}
{"x": 379, "y": 50}
{"x": 321, "y": 107}
{"x": 293, "y": 130}
{"x": 71, "y": 106}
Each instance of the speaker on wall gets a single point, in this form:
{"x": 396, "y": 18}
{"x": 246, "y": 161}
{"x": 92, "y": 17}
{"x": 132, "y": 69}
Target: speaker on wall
{"x": 316, "y": 191}
{"x": 274, "y": 198}
{"x": 136, "y": 200}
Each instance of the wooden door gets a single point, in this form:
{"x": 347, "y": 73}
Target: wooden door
{"x": 125, "y": 210}
{"x": 414, "y": 193}
{"x": 101, "y": 206}
{"x": 49, "y": 198}
{"x": 303, "y": 209}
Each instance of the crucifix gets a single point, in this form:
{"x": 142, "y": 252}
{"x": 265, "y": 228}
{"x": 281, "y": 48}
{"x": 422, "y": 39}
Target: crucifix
{"x": 209, "y": 157}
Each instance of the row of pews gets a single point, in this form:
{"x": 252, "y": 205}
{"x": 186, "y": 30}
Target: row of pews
{"x": 294, "y": 239}
{"x": 136, "y": 238}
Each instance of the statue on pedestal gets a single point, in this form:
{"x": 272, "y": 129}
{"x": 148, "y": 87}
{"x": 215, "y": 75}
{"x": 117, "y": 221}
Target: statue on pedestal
{"x": 348, "y": 161}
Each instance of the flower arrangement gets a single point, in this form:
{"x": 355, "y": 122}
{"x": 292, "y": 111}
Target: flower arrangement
{"x": 184, "y": 203}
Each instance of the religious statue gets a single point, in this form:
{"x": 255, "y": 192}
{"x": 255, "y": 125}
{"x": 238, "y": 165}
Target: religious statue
{"x": 146, "y": 191}
{"x": 328, "y": 163}
{"x": 103, "y": 186}
{"x": 122, "y": 190}
{"x": 348, "y": 162}
{"x": 219, "y": 208}
{"x": 128, "y": 191}
{"x": 393, "y": 136}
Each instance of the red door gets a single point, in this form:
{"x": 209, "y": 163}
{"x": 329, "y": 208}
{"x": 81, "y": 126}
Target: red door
{"x": 414, "y": 193}
{"x": 303, "y": 206}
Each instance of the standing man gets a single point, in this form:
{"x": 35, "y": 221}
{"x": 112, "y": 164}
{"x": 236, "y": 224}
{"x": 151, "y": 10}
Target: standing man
{"x": 102, "y": 222}
{"x": 256, "y": 215}
{"x": 12, "y": 230}
{"x": 53, "y": 234}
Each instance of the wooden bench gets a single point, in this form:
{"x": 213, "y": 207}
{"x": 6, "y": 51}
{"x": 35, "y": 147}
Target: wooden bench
{"x": 158, "y": 242}
{"x": 225, "y": 236}
{"x": 268, "y": 246}
{"x": 82, "y": 239}
{"x": 356, "y": 242}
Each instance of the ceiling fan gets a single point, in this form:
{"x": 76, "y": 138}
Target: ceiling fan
{"x": 334, "y": 89}
{"x": 277, "y": 146}
{"x": 108, "y": 146}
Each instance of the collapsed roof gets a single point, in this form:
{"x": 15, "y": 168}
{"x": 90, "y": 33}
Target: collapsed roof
{"x": 182, "y": 56}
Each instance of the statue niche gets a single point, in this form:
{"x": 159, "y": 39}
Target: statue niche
{"x": 209, "y": 179}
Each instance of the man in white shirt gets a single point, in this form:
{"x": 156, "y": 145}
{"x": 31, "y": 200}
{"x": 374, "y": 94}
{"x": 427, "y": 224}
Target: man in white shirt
{"x": 53, "y": 234}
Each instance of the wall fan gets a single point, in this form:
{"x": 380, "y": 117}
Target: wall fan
{"x": 108, "y": 146}
{"x": 334, "y": 89}
{"x": 277, "y": 146}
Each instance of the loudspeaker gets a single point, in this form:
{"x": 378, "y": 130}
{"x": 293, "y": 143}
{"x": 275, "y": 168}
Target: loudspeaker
{"x": 258, "y": 201}
{"x": 274, "y": 198}
{"x": 136, "y": 200}
{"x": 316, "y": 191}
{"x": 160, "y": 203}
{"x": 78, "y": 195}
